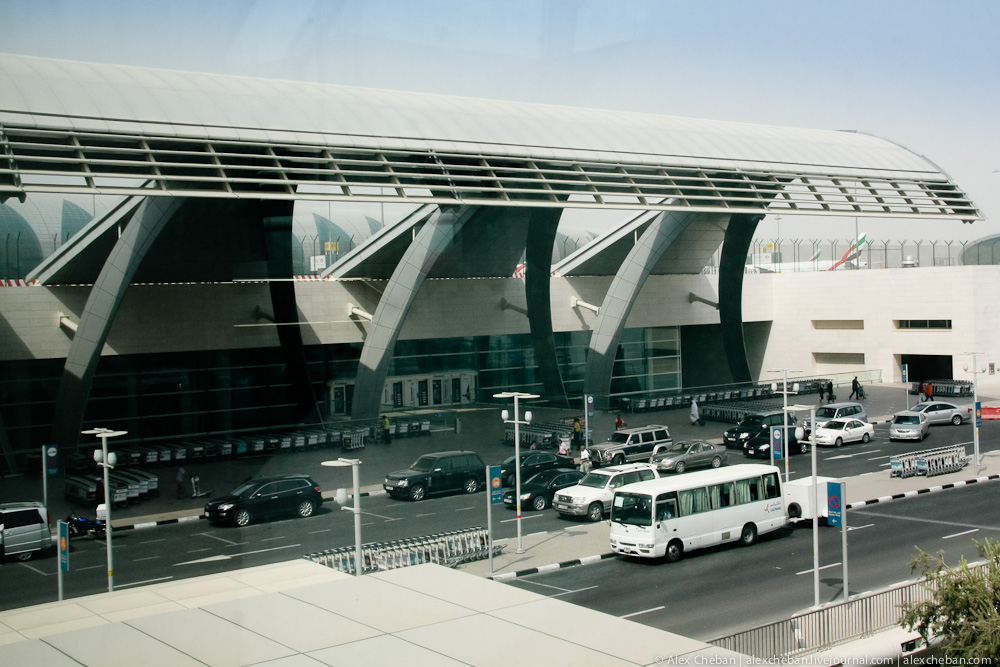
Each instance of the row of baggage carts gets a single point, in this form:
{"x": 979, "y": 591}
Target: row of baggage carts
{"x": 126, "y": 487}
{"x": 449, "y": 549}
{"x": 929, "y": 462}
{"x": 732, "y": 395}
{"x": 944, "y": 388}
{"x": 547, "y": 435}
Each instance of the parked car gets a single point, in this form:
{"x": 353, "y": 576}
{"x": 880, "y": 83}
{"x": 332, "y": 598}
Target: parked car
{"x": 838, "y": 431}
{"x": 825, "y": 413}
{"x": 537, "y": 492}
{"x": 592, "y": 496}
{"x": 751, "y": 425}
{"x": 531, "y": 463}
{"x": 266, "y": 497}
{"x": 939, "y": 412}
{"x": 909, "y": 425}
{"x": 25, "y": 530}
{"x": 759, "y": 444}
{"x": 682, "y": 455}
{"x": 437, "y": 472}
{"x": 630, "y": 444}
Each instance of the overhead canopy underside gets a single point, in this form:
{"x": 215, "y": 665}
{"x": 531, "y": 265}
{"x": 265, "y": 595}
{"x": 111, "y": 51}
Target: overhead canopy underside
{"x": 84, "y": 127}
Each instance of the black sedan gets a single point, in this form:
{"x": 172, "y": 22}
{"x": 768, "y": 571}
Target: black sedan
{"x": 532, "y": 462}
{"x": 538, "y": 491}
{"x": 759, "y": 444}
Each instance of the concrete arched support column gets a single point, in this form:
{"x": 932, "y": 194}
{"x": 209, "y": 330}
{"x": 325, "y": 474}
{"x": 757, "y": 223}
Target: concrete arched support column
{"x": 625, "y": 287}
{"x": 732, "y": 265}
{"x": 99, "y": 313}
{"x": 437, "y": 234}
{"x": 276, "y": 219}
{"x": 537, "y": 284}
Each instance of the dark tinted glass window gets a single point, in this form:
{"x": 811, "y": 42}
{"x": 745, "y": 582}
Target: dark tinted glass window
{"x": 19, "y": 518}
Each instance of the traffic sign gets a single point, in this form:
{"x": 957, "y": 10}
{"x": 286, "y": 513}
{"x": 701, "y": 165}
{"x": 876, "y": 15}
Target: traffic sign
{"x": 835, "y": 503}
{"x": 496, "y": 486}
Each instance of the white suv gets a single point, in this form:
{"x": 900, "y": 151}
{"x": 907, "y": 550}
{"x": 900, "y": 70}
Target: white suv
{"x": 591, "y": 496}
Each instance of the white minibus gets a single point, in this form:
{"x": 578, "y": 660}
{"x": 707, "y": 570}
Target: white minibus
{"x": 671, "y": 515}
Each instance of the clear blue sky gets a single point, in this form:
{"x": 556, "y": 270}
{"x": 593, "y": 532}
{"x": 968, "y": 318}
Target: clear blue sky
{"x": 923, "y": 73}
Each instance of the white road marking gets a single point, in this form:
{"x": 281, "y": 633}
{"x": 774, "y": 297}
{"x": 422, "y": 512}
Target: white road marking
{"x": 575, "y": 590}
{"x": 822, "y": 568}
{"x": 35, "y": 569}
{"x": 245, "y": 553}
{"x": 136, "y": 560}
{"x": 530, "y": 516}
{"x": 222, "y": 539}
{"x": 948, "y": 537}
{"x": 867, "y": 525}
{"x": 644, "y": 611}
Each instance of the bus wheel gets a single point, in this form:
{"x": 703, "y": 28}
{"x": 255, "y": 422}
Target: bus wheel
{"x": 749, "y": 535}
{"x": 675, "y": 551}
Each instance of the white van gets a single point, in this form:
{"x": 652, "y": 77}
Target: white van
{"x": 591, "y": 496}
{"x": 24, "y": 529}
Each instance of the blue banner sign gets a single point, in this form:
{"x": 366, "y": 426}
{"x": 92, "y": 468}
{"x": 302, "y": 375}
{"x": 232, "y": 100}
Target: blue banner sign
{"x": 590, "y": 406}
{"x": 776, "y": 440}
{"x": 64, "y": 546}
{"x": 835, "y": 503}
{"x": 496, "y": 486}
{"x": 979, "y": 414}
{"x": 52, "y": 460}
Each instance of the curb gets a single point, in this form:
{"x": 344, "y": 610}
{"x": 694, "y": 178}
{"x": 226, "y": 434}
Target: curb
{"x": 910, "y": 494}
{"x": 555, "y": 566}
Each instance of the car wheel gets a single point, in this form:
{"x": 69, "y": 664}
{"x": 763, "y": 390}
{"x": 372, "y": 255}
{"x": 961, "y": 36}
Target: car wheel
{"x": 471, "y": 485}
{"x": 680, "y": 467}
{"x": 717, "y": 461}
{"x": 25, "y": 555}
{"x": 675, "y": 551}
{"x": 417, "y": 492}
{"x": 241, "y": 518}
{"x": 840, "y": 441}
{"x": 803, "y": 448}
{"x": 618, "y": 460}
{"x": 957, "y": 420}
{"x": 865, "y": 438}
{"x": 305, "y": 509}
{"x": 595, "y": 512}
{"x": 749, "y": 535}
{"x": 540, "y": 503}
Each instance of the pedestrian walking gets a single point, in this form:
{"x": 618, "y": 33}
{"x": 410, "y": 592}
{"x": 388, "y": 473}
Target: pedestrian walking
{"x": 695, "y": 416}
{"x": 929, "y": 392}
{"x": 181, "y": 475}
{"x": 855, "y": 386}
{"x": 584, "y": 460}
{"x": 829, "y": 392}
{"x": 921, "y": 390}
{"x": 619, "y": 423}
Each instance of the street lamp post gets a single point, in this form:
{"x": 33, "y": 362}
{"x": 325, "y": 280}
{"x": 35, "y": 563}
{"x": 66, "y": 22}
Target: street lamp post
{"x": 516, "y": 421}
{"x": 106, "y": 460}
{"x": 784, "y": 433}
{"x": 355, "y": 466}
{"x": 975, "y": 405}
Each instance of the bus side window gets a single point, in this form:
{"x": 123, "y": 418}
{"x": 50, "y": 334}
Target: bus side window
{"x": 754, "y": 489}
{"x": 771, "y": 486}
{"x": 722, "y": 495}
{"x": 665, "y": 508}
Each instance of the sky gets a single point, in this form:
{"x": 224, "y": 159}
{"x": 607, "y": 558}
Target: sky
{"x": 922, "y": 73}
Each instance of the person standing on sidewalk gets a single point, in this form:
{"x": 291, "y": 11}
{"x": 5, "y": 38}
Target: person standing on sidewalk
{"x": 576, "y": 432}
{"x": 386, "y": 437}
{"x": 181, "y": 474}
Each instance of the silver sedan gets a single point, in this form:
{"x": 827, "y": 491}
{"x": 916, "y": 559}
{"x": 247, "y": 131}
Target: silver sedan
{"x": 683, "y": 455}
{"x": 909, "y": 425}
{"x": 939, "y": 412}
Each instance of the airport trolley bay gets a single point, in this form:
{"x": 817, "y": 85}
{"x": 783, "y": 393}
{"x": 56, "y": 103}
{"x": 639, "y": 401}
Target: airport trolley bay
{"x": 671, "y": 515}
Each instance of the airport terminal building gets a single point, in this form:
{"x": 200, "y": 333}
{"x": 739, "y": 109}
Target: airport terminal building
{"x": 191, "y": 254}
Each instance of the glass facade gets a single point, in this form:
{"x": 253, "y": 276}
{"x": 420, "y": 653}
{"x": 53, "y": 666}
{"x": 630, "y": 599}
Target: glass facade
{"x": 192, "y": 394}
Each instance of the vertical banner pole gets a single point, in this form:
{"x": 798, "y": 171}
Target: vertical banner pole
{"x": 489, "y": 514}
{"x": 815, "y": 503}
{"x": 843, "y": 537}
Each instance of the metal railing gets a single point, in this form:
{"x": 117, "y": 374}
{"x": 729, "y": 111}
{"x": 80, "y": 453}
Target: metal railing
{"x": 815, "y": 630}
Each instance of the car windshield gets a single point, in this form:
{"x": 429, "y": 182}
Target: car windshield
{"x": 618, "y": 437}
{"x": 835, "y": 426}
{"x": 906, "y": 419}
{"x": 826, "y": 413}
{"x": 632, "y": 508}
{"x": 424, "y": 464}
{"x": 750, "y": 423}
{"x": 245, "y": 487}
{"x": 596, "y": 480}
{"x": 543, "y": 477}
{"x": 673, "y": 450}
{"x": 920, "y": 407}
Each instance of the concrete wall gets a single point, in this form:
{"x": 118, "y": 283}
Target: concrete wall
{"x": 167, "y": 318}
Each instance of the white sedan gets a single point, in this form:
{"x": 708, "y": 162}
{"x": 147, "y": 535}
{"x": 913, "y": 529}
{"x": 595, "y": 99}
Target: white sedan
{"x": 838, "y": 431}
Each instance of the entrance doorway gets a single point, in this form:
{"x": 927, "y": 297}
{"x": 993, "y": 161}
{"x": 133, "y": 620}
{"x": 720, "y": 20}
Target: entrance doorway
{"x": 928, "y": 366}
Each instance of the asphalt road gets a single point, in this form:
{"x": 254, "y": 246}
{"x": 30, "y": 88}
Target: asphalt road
{"x": 197, "y": 548}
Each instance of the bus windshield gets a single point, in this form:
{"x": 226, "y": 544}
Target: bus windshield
{"x": 634, "y": 509}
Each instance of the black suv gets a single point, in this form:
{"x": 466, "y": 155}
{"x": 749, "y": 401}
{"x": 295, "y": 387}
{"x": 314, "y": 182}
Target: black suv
{"x": 264, "y": 497}
{"x": 438, "y": 472}
{"x": 751, "y": 425}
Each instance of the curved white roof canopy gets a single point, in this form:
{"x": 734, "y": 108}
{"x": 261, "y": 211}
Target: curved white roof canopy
{"x": 71, "y": 126}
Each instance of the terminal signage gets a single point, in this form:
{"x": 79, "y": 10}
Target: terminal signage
{"x": 835, "y": 503}
{"x": 979, "y": 414}
{"x": 776, "y": 444}
{"x": 496, "y": 487}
